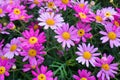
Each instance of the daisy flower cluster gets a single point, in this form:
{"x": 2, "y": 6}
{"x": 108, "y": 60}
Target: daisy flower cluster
{"x": 55, "y": 39}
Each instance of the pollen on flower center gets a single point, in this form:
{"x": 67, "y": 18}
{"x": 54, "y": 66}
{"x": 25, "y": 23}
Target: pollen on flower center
{"x": 112, "y": 35}
{"x": 50, "y": 22}
{"x": 36, "y": 2}
{"x": 107, "y": 14}
{"x": 36, "y": 27}
{"x": 2, "y": 70}
{"x": 33, "y": 40}
{"x": 87, "y": 55}
{"x": 66, "y": 35}
{"x": 16, "y": 11}
{"x": 10, "y": 1}
{"x": 32, "y": 52}
{"x": 13, "y": 47}
{"x": 41, "y": 77}
{"x": 33, "y": 67}
{"x": 82, "y": 15}
{"x": 81, "y": 32}
{"x": 51, "y": 4}
{"x": 98, "y": 18}
{"x": 83, "y": 78}
{"x": 106, "y": 67}
{"x": 116, "y": 23}
{"x": 81, "y": 5}
{"x": 65, "y": 1}
{"x": 1, "y": 11}
{"x": 3, "y": 58}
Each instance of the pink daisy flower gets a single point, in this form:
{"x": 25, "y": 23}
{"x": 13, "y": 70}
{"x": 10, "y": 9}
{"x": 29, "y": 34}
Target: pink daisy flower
{"x": 28, "y": 67}
{"x": 116, "y": 21}
{"x": 112, "y": 35}
{"x": 43, "y": 74}
{"x": 16, "y": 11}
{"x": 34, "y": 3}
{"x": 51, "y": 6}
{"x": 108, "y": 69}
{"x": 33, "y": 53}
{"x": 99, "y": 17}
{"x": 81, "y": 4}
{"x": 32, "y": 38}
{"x": 12, "y": 48}
{"x": 108, "y": 13}
{"x": 87, "y": 54}
{"x": 83, "y": 75}
{"x": 83, "y": 31}
{"x": 34, "y": 25}
{"x": 51, "y": 20}
{"x": 2, "y": 10}
{"x": 4, "y": 68}
{"x": 25, "y": 17}
{"x": 85, "y": 15}
{"x": 66, "y": 35}
{"x": 11, "y": 26}
{"x": 63, "y": 4}
{"x": 3, "y": 30}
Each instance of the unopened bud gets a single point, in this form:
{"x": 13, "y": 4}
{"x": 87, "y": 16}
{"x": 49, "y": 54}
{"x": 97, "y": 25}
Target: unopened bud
{"x": 14, "y": 67}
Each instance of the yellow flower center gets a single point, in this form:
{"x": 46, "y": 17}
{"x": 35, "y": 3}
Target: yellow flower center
{"x": 83, "y": 78}
{"x": 41, "y": 77}
{"x": 98, "y": 18}
{"x": 81, "y": 5}
{"x": 82, "y": 15}
{"x": 87, "y": 55}
{"x": 51, "y": 4}
{"x": 112, "y": 35}
{"x": 32, "y": 52}
{"x": 107, "y": 14}
{"x": 66, "y": 35}
{"x": 116, "y": 23}
{"x": 10, "y": 1}
{"x": 65, "y": 1}
{"x": 33, "y": 40}
{"x": 36, "y": 27}
{"x": 33, "y": 67}
{"x": 1, "y": 11}
{"x": 36, "y": 2}
{"x": 13, "y": 47}
{"x": 106, "y": 67}
{"x": 50, "y": 22}
{"x": 16, "y": 11}
{"x": 2, "y": 70}
{"x": 3, "y": 58}
{"x": 22, "y": 17}
{"x": 81, "y": 32}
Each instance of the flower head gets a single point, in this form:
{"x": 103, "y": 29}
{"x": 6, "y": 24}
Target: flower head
{"x": 108, "y": 69}
{"x": 31, "y": 38}
{"x": 112, "y": 35}
{"x": 12, "y": 48}
{"x": 51, "y": 20}
{"x": 83, "y": 75}
{"x": 3, "y": 30}
{"x": 16, "y": 12}
{"x": 66, "y": 35}
{"x": 5, "y": 66}
{"x": 85, "y": 15}
{"x": 2, "y": 10}
{"x": 33, "y": 53}
{"x": 83, "y": 31}
{"x": 87, "y": 54}
{"x": 43, "y": 74}
{"x": 63, "y": 4}
{"x": 108, "y": 13}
